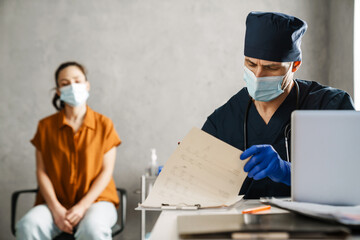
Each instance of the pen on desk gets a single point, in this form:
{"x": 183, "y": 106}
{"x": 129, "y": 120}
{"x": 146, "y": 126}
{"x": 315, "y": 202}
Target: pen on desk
{"x": 257, "y": 209}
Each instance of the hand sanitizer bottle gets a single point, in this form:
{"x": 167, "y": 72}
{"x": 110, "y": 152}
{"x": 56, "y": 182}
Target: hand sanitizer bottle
{"x": 153, "y": 167}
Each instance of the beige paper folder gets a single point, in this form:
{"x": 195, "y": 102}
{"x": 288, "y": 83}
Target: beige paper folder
{"x": 203, "y": 171}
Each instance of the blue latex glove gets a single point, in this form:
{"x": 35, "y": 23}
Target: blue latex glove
{"x": 266, "y": 162}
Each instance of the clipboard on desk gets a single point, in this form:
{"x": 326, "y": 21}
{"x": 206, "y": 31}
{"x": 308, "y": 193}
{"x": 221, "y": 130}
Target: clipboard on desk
{"x": 255, "y": 226}
{"x": 182, "y": 206}
{"x": 203, "y": 172}
{"x": 165, "y": 206}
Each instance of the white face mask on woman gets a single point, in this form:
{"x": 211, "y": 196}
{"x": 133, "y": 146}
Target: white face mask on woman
{"x": 74, "y": 94}
{"x": 263, "y": 89}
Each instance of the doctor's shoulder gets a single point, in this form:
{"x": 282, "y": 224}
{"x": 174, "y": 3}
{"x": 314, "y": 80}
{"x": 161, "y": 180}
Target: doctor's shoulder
{"x": 314, "y": 95}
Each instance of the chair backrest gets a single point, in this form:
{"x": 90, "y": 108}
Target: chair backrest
{"x": 116, "y": 229}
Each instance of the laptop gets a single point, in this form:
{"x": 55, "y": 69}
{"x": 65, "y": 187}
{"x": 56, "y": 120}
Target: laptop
{"x": 325, "y": 153}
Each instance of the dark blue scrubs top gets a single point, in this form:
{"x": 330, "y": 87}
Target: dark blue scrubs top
{"x": 227, "y": 123}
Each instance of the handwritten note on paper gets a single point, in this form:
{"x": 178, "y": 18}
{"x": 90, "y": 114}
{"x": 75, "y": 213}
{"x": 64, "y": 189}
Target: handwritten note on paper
{"x": 203, "y": 170}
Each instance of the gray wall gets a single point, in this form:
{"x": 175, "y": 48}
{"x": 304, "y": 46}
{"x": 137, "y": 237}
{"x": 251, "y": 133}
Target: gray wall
{"x": 156, "y": 68}
{"x": 341, "y": 50}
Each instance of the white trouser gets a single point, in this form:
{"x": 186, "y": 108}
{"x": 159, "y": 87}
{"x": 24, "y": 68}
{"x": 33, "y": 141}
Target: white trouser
{"x": 39, "y": 224}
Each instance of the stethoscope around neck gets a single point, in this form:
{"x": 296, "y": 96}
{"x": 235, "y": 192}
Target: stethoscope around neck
{"x": 287, "y": 127}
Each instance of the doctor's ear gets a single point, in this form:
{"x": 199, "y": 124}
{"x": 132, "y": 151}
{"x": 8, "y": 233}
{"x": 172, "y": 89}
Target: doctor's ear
{"x": 296, "y": 66}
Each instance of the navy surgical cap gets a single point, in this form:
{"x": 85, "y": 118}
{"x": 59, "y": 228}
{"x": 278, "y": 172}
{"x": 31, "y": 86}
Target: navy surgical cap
{"x": 273, "y": 36}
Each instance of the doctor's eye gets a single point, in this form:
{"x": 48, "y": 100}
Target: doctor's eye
{"x": 251, "y": 65}
{"x": 272, "y": 68}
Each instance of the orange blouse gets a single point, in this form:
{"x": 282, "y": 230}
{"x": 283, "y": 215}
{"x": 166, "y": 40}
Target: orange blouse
{"x": 73, "y": 160}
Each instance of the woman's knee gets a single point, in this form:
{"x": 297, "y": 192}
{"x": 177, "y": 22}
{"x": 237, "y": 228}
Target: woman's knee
{"x": 97, "y": 222}
{"x": 29, "y": 228}
{"x": 93, "y": 229}
{"x": 23, "y": 227}
{"x": 36, "y": 224}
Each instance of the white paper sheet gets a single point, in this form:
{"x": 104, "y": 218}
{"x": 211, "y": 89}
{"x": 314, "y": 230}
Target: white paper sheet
{"x": 349, "y": 215}
{"x": 203, "y": 170}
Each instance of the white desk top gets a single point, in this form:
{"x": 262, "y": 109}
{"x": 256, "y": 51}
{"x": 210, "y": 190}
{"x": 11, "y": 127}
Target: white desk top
{"x": 166, "y": 225}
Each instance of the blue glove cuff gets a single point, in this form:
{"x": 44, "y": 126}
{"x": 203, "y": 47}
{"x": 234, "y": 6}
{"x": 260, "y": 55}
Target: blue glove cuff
{"x": 286, "y": 173}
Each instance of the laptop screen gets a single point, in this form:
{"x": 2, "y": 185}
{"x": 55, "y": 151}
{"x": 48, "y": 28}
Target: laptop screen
{"x": 325, "y": 155}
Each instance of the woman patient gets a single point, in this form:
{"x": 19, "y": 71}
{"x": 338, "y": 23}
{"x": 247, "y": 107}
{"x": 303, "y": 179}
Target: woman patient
{"x": 75, "y": 157}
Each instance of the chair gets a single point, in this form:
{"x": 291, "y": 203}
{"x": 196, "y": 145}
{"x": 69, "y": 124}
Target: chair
{"x": 116, "y": 229}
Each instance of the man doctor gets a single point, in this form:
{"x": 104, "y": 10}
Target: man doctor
{"x": 257, "y": 118}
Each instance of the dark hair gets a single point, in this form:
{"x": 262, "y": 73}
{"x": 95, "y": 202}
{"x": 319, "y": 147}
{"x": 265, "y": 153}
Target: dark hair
{"x": 57, "y": 72}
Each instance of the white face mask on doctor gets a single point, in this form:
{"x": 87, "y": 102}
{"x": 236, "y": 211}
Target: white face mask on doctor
{"x": 74, "y": 94}
{"x": 263, "y": 89}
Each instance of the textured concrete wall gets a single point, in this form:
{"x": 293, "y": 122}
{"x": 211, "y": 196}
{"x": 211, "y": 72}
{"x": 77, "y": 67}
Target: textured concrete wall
{"x": 341, "y": 51}
{"x": 156, "y": 67}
